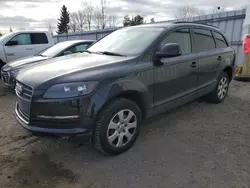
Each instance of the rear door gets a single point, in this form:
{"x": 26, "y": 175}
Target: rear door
{"x": 40, "y": 41}
{"x": 208, "y": 58}
{"x": 177, "y": 76}
{"x": 23, "y": 48}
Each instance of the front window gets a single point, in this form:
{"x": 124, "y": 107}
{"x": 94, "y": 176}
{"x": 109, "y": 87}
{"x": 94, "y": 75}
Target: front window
{"x": 181, "y": 37}
{"x": 4, "y": 37}
{"x": 22, "y": 39}
{"x": 128, "y": 41}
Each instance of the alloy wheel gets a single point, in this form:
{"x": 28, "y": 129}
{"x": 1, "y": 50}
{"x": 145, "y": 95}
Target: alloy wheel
{"x": 122, "y": 128}
{"x": 222, "y": 87}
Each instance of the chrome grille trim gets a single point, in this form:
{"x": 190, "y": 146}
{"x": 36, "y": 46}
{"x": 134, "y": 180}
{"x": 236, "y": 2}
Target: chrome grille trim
{"x": 26, "y": 93}
{"x": 5, "y": 76}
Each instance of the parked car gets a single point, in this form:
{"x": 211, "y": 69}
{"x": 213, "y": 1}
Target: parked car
{"x": 130, "y": 75}
{"x": 20, "y": 44}
{"x": 10, "y": 70}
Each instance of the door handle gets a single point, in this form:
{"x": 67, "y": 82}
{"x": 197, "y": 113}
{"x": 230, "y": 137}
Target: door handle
{"x": 219, "y": 58}
{"x": 193, "y": 64}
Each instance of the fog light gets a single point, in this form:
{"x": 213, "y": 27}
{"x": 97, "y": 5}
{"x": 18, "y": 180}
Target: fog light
{"x": 58, "y": 117}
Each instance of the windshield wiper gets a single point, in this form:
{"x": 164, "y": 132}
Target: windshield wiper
{"x": 111, "y": 53}
{"x": 88, "y": 51}
{"x": 41, "y": 55}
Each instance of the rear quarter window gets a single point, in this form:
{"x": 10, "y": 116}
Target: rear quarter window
{"x": 39, "y": 38}
{"x": 220, "y": 40}
{"x": 203, "y": 40}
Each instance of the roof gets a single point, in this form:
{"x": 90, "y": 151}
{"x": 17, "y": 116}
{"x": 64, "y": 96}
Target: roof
{"x": 34, "y": 31}
{"x": 173, "y": 24}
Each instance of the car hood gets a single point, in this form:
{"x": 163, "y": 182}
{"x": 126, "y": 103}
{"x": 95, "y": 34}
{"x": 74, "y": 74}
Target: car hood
{"x": 20, "y": 63}
{"x": 70, "y": 68}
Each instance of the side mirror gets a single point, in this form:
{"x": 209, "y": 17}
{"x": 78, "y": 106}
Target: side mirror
{"x": 169, "y": 50}
{"x": 12, "y": 43}
{"x": 67, "y": 52}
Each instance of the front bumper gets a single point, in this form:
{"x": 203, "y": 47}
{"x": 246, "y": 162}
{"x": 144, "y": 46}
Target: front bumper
{"x": 53, "y": 131}
{"x": 57, "y": 117}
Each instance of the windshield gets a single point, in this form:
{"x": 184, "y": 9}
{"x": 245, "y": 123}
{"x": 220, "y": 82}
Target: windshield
{"x": 2, "y": 38}
{"x": 128, "y": 41}
{"x": 54, "y": 50}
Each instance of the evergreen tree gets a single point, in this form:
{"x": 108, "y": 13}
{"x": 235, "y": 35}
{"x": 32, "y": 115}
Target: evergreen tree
{"x": 126, "y": 21}
{"x": 63, "y": 21}
{"x": 152, "y": 20}
{"x": 137, "y": 20}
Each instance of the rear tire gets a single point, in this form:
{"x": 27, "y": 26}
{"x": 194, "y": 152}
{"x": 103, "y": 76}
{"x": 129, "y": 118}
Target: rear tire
{"x": 220, "y": 92}
{"x": 117, "y": 127}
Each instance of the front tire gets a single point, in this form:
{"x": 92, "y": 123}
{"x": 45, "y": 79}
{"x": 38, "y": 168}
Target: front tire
{"x": 117, "y": 127}
{"x": 220, "y": 92}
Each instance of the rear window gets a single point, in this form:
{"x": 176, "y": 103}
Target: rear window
{"x": 220, "y": 40}
{"x": 203, "y": 40}
{"x": 39, "y": 38}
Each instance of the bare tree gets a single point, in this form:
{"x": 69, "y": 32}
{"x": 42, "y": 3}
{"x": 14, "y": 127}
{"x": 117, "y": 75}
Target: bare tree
{"x": 112, "y": 20}
{"x": 243, "y": 7}
{"x": 104, "y": 13}
{"x": 80, "y": 20}
{"x": 187, "y": 11}
{"x": 77, "y": 20}
{"x": 88, "y": 11}
{"x": 73, "y": 22}
{"x": 97, "y": 19}
{"x": 49, "y": 25}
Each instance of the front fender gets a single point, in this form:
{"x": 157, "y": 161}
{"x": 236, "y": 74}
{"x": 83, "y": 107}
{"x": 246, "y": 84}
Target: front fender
{"x": 124, "y": 86}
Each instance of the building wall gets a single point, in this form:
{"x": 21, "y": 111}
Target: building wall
{"x": 231, "y": 23}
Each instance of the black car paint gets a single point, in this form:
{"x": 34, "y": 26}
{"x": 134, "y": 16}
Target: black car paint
{"x": 153, "y": 87}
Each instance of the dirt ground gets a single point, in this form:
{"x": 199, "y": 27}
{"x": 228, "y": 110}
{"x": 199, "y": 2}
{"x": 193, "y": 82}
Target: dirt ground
{"x": 196, "y": 145}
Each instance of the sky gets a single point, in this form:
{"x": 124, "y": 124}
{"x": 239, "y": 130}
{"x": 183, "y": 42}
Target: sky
{"x": 38, "y": 14}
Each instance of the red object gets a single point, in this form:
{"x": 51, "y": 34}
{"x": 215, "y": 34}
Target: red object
{"x": 246, "y": 44}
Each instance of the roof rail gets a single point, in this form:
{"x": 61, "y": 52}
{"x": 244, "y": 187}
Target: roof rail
{"x": 195, "y": 22}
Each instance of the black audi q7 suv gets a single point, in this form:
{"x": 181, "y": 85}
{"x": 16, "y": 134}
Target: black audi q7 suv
{"x": 130, "y": 75}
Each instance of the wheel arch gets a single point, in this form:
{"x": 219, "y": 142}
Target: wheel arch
{"x": 130, "y": 89}
{"x": 229, "y": 71}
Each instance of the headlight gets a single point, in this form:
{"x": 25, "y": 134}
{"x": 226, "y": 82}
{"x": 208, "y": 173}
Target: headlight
{"x": 14, "y": 72}
{"x": 70, "y": 90}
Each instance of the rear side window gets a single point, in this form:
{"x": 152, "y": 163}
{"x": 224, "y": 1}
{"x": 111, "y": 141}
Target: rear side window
{"x": 203, "y": 40}
{"x": 182, "y": 37}
{"x": 220, "y": 40}
{"x": 81, "y": 47}
{"x": 39, "y": 38}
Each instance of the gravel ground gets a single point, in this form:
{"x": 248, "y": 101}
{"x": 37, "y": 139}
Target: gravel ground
{"x": 196, "y": 145}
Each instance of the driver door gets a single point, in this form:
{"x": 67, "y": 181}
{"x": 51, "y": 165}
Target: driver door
{"x": 23, "y": 47}
{"x": 177, "y": 76}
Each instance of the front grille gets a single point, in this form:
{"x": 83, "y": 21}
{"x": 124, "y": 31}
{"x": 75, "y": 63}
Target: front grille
{"x": 55, "y": 123}
{"x": 5, "y": 76}
{"x": 27, "y": 91}
{"x": 23, "y": 114}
